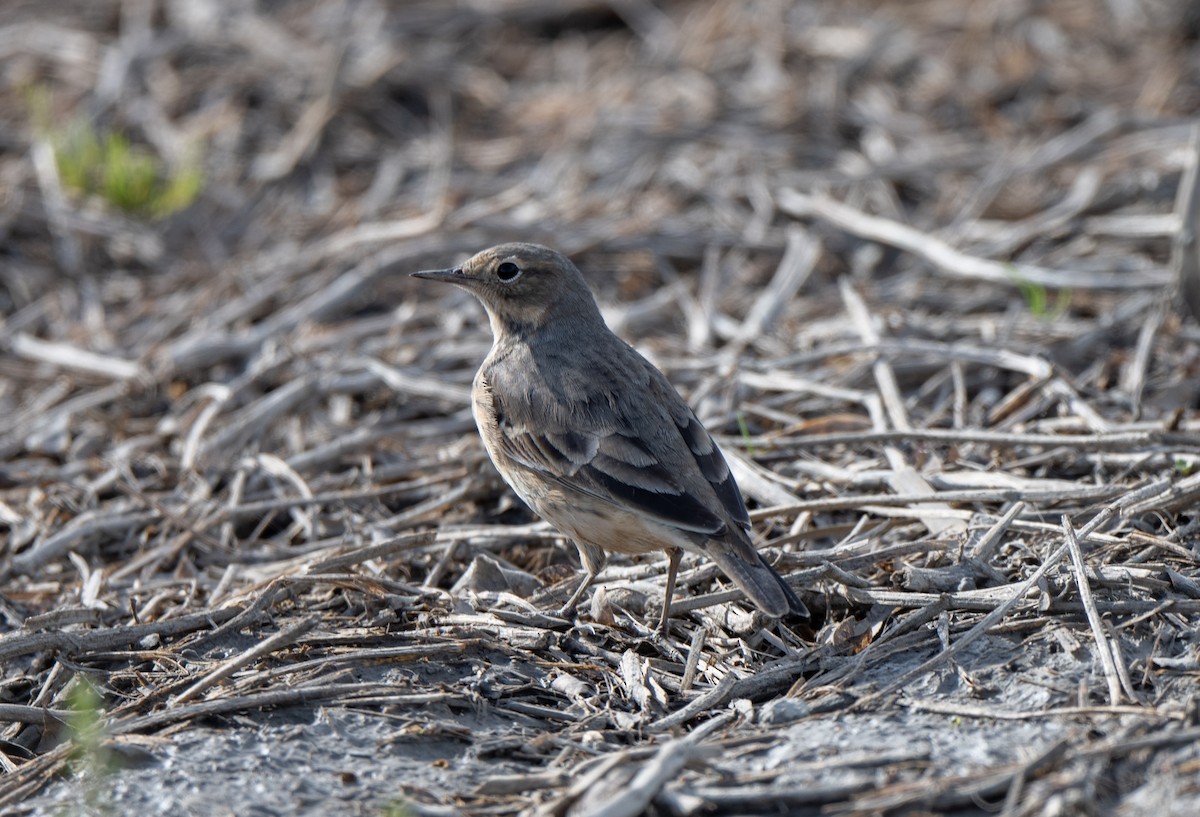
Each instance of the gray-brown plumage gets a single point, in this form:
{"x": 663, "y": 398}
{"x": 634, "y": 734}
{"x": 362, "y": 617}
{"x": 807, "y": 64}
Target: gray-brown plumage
{"x": 593, "y": 437}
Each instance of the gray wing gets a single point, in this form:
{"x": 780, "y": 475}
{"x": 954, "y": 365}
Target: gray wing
{"x": 633, "y": 444}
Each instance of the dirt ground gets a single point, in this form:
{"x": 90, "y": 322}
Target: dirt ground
{"x": 927, "y": 270}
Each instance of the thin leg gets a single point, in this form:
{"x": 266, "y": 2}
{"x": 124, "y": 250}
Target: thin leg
{"x": 593, "y": 560}
{"x": 673, "y": 555}
{"x": 568, "y": 609}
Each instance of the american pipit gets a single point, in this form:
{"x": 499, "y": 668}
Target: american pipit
{"x": 593, "y": 437}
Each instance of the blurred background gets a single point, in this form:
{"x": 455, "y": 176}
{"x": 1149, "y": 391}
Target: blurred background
{"x": 189, "y": 183}
{"x": 186, "y": 152}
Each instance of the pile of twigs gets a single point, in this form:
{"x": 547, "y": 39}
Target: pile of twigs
{"x": 915, "y": 264}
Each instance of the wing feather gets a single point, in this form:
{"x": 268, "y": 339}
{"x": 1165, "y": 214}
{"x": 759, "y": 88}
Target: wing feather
{"x": 648, "y": 455}
{"x": 714, "y": 468}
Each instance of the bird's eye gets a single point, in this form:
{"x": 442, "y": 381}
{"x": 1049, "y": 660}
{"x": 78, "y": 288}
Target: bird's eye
{"x": 508, "y": 271}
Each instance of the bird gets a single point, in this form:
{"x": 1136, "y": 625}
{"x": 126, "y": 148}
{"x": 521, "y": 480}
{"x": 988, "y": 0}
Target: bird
{"x": 594, "y": 438}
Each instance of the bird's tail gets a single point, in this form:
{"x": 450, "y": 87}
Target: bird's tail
{"x": 749, "y": 570}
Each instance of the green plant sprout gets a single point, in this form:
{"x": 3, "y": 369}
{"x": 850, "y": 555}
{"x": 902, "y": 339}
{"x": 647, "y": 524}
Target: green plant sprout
{"x": 1037, "y": 297}
{"x": 744, "y": 428}
{"x": 104, "y": 164}
{"x": 91, "y": 760}
{"x": 126, "y": 176}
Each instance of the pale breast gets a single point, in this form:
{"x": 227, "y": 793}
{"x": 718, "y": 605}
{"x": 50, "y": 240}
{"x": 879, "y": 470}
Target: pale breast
{"x": 531, "y": 487}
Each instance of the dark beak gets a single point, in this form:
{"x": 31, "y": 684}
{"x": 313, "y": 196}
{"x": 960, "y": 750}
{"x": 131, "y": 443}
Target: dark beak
{"x": 452, "y": 276}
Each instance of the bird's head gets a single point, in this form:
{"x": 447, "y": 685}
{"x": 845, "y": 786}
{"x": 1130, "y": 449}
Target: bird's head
{"x": 524, "y": 287}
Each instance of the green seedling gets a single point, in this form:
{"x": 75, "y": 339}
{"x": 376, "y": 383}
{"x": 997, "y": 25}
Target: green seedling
{"x": 1037, "y": 297}
{"x": 92, "y": 762}
{"x": 744, "y": 428}
{"x": 105, "y": 165}
{"x": 126, "y": 176}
